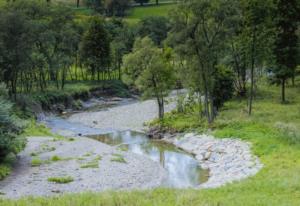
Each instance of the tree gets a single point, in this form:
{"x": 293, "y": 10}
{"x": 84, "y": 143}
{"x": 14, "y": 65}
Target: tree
{"x": 223, "y": 85}
{"x": 198, "y": 34}
{"x": 116, "y": 7}
{"x": 10, "y": 128}
{"x": 147, "y": 68}
{"x": 142, "y": 2}
{"x": 257, "y": 36}
{"x": 95, "y": 48}
{"x": 286, "y": 41}
{"x": 97, "y": 5}
{"x": 15, "y": 47}
{"x": 123, "y": 38}
{"x": 156, "y": 27}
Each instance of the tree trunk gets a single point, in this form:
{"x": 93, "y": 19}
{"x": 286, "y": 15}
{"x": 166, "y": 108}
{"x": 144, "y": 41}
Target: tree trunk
{"x": 161, "y": 108}
{"x": 252, "y": 71}
{"x": 156, "y": 2}
{"x": 77, "y": 3}
{"x": 283, "y": 90}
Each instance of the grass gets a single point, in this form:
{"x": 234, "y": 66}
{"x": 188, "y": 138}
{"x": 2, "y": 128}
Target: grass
{"x": 56, "y": 158}
{"x": 36, "y": 161}
{"x": 61, "y": 180}
{"x": 276, "y": 145}
{"x": 137, "y": 13}
{"x": 35, "y": 129}
{"x": 118, "y": 158}
{"x": 91, "y": 164}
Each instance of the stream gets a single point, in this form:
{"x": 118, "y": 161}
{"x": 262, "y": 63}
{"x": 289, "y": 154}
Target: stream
{"x": 182, "y": 168}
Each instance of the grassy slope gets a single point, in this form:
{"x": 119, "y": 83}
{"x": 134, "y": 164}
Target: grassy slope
{"x": 278, "y": 183}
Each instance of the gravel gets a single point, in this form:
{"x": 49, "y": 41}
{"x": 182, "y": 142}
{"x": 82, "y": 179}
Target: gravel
{"x": 137, "y": 173}
{"x": 126, "y": 117}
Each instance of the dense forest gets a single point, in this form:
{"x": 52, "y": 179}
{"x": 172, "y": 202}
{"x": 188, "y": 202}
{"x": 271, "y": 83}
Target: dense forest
{"x": 218, "y": 51}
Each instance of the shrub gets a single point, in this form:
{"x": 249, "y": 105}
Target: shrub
{"x": 10, "y": 128}
{"x": 223, "y": 85}
{"x": 4, "y": 171}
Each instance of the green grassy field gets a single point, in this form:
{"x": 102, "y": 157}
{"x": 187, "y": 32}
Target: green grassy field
{"x": 273, "y": 129}
{"x": 137, "y": 13}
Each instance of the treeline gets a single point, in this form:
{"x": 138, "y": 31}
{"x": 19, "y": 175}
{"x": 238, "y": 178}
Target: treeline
{"x": 220, "y": 48}
{"x": 44, "y": 44}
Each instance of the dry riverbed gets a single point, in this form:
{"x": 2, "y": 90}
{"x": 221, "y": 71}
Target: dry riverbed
{"x": 88, "y": 165}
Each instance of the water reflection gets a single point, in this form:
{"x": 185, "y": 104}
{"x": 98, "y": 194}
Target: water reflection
{"x": 183, "y": 169}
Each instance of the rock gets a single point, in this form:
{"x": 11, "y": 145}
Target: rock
{"x": 155, "y": 133}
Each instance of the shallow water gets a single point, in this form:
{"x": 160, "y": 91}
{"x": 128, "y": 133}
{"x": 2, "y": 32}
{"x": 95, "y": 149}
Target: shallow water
{"x": 183, "y": 169}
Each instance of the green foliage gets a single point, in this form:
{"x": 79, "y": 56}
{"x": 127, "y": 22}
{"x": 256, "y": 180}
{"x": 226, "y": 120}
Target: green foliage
{"x": 286, "y": 48}
{"x": 116, "y": 7}
{"x": 61, "y": 180}
{"x": 223, "y": 88}
{"x": 147, "y": 68}
{"x": 95, "y": 47}
{"x": 155, "y": 27}
{"x": 4, "y": 171}
{"x": 10, "y": 128}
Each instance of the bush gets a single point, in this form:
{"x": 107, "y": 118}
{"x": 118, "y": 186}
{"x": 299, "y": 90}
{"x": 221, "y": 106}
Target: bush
{"x": 10, "y": 128}
{"x": 223, "y": 86}
{"x": 4, "y": 171}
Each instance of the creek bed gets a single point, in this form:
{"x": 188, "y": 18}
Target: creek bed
{"x": 182, "y": 168}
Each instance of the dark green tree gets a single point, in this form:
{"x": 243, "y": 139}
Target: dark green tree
{"x": 288, "y": 16}
{"x": 116, "y": 7}
{"x": 15, "y": 47}
{"x": 95, "y": 48}
{"x": 156, "y": 27}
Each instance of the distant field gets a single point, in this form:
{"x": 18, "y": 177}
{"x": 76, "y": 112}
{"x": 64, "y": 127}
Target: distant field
{"x": 134, "y": 15}
{"x": 137, "y": 13}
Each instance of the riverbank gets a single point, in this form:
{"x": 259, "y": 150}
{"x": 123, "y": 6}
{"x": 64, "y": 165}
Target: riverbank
{"x": 91, "y": 165}
{"x": 71, "y": 97}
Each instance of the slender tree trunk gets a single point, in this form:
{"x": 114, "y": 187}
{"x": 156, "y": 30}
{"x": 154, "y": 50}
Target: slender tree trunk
{"x": 252, "y": 71}
{"x": 160, "y": 102}
{"x": 119, "y": 69}
{"x": 283, "y": 90}
{"x": 77, "y": 3}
